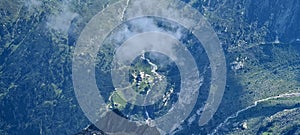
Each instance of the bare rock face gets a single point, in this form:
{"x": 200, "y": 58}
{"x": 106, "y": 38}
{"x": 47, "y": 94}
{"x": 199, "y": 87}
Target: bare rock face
{"x": 91, "y": 130}
{"x": 118, "y": 126}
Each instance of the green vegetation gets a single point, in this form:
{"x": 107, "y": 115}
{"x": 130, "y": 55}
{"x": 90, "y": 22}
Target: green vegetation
{"x": 37, "y": 44}
{"x": 267, "y": 133}
{"x": 142, "y": 77}
{"x": 117, "y": 101}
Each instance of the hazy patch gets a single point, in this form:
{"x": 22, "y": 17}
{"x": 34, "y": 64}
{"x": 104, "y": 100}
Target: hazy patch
{"x": 32, "y": 4}
{"x": 62, "y": 21}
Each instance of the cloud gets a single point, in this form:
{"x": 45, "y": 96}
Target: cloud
{"x": 31, "y": 4}
{"x": 62, "y": 21}
{"x": 141, "y": 25}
